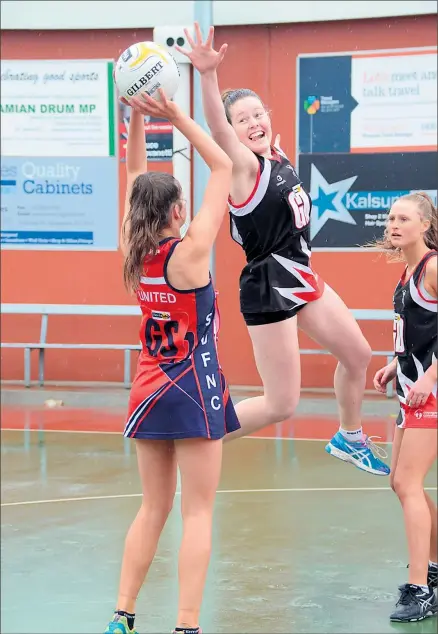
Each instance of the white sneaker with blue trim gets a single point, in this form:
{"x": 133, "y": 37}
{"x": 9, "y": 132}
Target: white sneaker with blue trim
{"x": 363, "y": 454}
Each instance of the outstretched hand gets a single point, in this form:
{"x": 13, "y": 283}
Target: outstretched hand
{"x": 203, "y": 56}
{"x": 162, "y": 108}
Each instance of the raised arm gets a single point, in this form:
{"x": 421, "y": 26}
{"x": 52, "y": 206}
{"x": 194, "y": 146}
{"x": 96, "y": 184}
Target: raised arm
{"x": 203, "y": 230}
{"x": 136, "y": 163}
{"x": 206, "y": 60}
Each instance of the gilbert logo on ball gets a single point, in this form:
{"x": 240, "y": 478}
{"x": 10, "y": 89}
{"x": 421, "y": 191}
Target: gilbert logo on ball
{"x": 146, "y": 67}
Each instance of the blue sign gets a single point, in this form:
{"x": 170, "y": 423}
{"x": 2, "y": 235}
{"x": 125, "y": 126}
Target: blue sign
{"x": 59, "y": 203}
{"x": 325, "y": 104}
{"x": 352, "y": 193}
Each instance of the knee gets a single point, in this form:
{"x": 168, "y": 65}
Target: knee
{"x": 362, "y": 355}
{"x": 400, "y": 489}
{"x": 197, "y": 514}
{"x": 404, "y": 487}
{"x": 279, "y": 410}
{"x": 157, "y": 511}
{"x": 358, "y": 358}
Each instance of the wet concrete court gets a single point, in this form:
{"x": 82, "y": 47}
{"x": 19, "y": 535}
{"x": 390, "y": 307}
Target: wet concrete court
{"x": 303, "y": 542}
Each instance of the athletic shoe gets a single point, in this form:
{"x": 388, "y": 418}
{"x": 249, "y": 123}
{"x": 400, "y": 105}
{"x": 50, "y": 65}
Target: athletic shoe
{"x": 361, "y": 453}
{"x": 414, "y": 604}
{"x": 198, "y": 631}
{"x": 432, "y": 576}
{"x": 119, "y": 625}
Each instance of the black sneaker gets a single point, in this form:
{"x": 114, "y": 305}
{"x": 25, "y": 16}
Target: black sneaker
{"x": 414, "y": 604}
{"x": 432, "y": 576}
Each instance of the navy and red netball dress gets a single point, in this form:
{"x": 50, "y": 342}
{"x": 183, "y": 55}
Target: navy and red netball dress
{"x": 179, "y": 390}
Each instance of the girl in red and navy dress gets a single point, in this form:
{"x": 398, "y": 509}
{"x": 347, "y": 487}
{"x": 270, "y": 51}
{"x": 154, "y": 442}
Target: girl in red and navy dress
{"x": 412, "y": 234}
{"x": 179, "y": 408}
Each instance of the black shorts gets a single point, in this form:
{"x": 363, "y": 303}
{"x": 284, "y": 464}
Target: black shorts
{"x": 261, "y": 319}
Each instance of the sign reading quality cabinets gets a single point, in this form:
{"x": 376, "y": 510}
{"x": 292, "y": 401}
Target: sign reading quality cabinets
{"x": 59, "y": 171}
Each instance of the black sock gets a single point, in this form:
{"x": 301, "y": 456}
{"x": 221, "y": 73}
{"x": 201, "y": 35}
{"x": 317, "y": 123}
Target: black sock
{"x": 130, "y": 617}
{"x": 187, "y": 630}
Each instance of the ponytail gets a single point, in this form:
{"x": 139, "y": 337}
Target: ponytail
{"x": 428, "y": 212}
{"x": 152, "y": 196}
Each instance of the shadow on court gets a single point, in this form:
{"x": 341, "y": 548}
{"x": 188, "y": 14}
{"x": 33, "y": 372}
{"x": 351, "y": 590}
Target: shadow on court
{"x": 303, "y": 543}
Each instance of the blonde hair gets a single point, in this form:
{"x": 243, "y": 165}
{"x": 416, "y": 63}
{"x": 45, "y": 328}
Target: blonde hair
{"x": 428, "y": 212}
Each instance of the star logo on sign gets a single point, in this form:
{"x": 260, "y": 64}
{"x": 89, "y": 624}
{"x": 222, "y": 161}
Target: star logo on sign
{"x": 327, "y": 200}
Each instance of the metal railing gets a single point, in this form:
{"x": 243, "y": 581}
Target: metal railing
{"x": 45, "y": 310}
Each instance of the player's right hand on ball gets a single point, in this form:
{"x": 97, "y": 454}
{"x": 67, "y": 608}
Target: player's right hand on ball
{"x": 384, "y": 376}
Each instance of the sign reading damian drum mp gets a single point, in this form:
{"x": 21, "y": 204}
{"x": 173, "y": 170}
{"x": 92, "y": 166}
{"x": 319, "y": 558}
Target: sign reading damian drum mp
{"x": 57, "y": 108}
{"x": 59, "y": 171}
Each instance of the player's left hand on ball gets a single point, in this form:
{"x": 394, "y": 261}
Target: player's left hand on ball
{"x": 162, "y": 108}
{"x": 419, "y": 392}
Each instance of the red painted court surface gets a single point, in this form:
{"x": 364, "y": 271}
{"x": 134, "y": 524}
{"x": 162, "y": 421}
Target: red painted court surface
{"x": 113, "y": 421}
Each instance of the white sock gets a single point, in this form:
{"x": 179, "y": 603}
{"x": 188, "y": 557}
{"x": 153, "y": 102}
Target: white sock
{"x": 424, "y": 588}
{"x": 352, "y": 436}
{"x": 433, "y": 564}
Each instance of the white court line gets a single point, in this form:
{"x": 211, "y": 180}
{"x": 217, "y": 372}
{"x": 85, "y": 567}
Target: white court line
{"x": 136, "y": 495}
{"x": 120, "y": 433}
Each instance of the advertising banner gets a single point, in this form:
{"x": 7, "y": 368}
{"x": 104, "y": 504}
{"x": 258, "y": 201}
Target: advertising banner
{"x": 158, "y": 136}
{"x": 367, "y": 134}
{"x": 352, "y": 193}
{"x": 59, "y": 178}
{"x": 59, "y": 203}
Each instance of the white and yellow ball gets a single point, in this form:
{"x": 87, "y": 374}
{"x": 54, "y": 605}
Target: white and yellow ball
{"x": 146, "y": 67}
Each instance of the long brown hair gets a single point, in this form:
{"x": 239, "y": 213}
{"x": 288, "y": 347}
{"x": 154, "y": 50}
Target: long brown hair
{"x": 150, "y": 203}
{"x": 428, "y": 212}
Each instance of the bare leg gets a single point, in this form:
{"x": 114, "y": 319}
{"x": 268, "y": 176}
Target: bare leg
{"x": 433, "y": 555}
{"x": 200, "y": 465}
{"x": 329, "y": 322}
{"x": 396, "y": 444}
{"x": 157, "y": 467}
{"x": 277, "y": 357}
{"x": 417, "y": 453}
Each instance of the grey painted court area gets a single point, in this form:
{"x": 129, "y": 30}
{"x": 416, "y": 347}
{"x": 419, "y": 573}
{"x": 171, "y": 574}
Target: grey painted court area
{"x": 302, "y": 543}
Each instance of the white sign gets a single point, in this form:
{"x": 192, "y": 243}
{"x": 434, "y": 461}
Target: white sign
{"x": 59, "y": 170}
{"x": 397, "y": 97}
{"x": 57, "y": 108}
